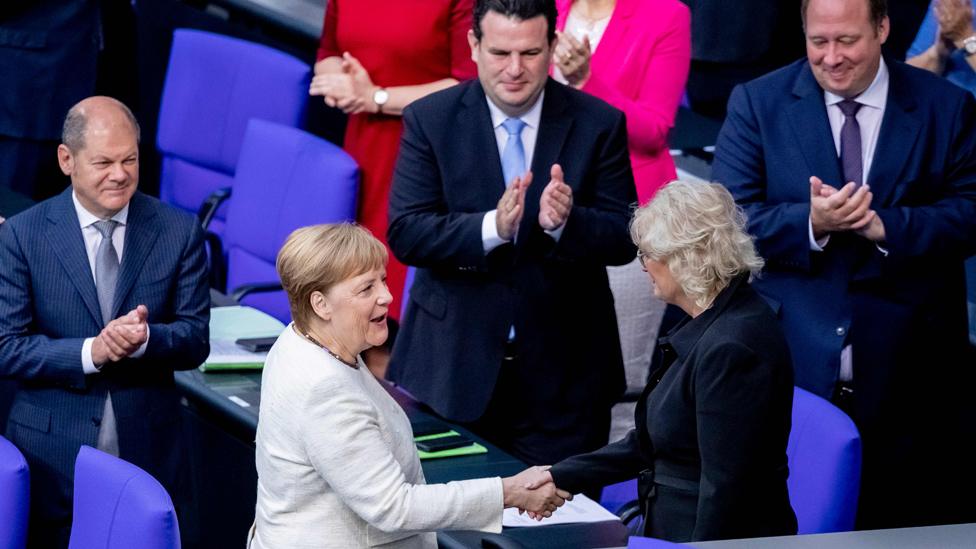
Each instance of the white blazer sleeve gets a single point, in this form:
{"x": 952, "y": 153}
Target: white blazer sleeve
{"x": 344, "y": 443}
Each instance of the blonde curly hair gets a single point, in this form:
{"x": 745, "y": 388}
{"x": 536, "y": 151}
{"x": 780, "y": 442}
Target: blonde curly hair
{"x": 698, "y": 231}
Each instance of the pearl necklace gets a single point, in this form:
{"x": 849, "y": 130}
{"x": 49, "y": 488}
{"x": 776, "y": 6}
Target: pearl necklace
{"x": 354, "y": 366}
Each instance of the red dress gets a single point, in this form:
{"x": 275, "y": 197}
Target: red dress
{"x": 400, "y": 43}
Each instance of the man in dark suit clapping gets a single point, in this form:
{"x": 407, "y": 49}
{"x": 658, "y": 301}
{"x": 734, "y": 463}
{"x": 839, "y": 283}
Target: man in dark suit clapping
{"x": 511, "y": 196}
{"x": 858, "y": 174}
{"x": 103, "y": 295}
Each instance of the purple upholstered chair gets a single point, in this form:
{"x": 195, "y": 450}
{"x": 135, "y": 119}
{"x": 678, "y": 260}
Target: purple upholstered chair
{"x": 286, "y": 179}
{"x": 637, "y": 542}
{"x": 824, "y": 454}
{"x": 214, "y": 85}
{"x": 14, "y": 496}
{"x": 118, "y": 506}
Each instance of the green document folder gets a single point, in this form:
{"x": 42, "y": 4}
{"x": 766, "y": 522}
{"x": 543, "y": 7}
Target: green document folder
{"x": 473, "y": 449}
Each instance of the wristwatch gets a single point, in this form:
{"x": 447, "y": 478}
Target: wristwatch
{"x": 381, "y": 96}
{"x": 969, "y": 45}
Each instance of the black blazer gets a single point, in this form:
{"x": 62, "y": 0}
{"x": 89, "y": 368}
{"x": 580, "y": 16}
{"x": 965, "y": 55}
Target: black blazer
{"x": 712, "y": 427}
{"x": 556, "y": 294}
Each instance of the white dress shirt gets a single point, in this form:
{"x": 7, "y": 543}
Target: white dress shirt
{"x": 489, "y": 230}
{"x": 92, "y": 239}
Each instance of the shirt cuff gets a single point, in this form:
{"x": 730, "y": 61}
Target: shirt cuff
{"x": 556, "y": 233}
{"x": 816, "y": 245}
{"x": 489, "y": 232}
{"x": 142, "y": 348}
{"x": 87, "y": 363}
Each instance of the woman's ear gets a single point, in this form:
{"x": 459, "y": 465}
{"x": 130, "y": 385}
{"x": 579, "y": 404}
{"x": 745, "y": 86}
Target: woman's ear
{"x": 320, "y": 305}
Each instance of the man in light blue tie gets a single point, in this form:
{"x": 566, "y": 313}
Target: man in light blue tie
{"x": 511, "y": 195}
{"x": 103, "y": 294}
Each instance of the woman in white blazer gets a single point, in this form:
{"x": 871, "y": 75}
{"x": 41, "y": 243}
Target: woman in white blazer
{"x": 336, "y": 462}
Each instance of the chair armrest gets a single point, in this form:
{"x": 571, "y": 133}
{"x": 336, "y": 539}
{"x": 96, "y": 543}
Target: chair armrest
{"x": 260, "y": 287}
{"x": 209, "y": 207}
{"x": 218, "y": 270}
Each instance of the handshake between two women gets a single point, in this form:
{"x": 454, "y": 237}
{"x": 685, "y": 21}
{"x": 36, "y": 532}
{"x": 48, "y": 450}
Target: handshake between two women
{"x": 532, "y": 491}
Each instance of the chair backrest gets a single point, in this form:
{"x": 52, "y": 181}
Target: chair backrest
{"x": 286, "y": 178}
{"x": 637, "y": 542}
{"x": 214, "y": 85}
{"x": 14, "y": 496}
{"x": 118, "y": 505}
{"x": 824, "y": 454}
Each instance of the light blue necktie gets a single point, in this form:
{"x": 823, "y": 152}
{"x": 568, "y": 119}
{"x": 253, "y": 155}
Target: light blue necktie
{"x": 513, "y": 163}
{"x": 513, "y": 156}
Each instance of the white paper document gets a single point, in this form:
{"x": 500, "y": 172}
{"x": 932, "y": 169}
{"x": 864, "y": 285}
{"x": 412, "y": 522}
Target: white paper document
{"x": 225, "y": 351}
{"x": 580, "y": 509}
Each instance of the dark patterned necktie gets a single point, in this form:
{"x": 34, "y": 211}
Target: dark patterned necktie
{"x": 850, "y": 143}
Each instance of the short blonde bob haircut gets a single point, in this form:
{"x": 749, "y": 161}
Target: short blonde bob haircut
{"x": 696, "y": 229}
{"x": 318, "y": 257}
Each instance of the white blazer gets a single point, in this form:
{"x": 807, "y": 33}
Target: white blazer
{"x": 337, "y": 466}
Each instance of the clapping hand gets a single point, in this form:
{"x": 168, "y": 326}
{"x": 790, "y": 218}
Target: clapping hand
{"x": 350, "y": 90}
{"x": 833, "y": 204}
{"x": 556, "y": 201}
{"x": 533, "y": 491}
{"x": 508, "y": 214}
{"x": 955, "y": 20}
{"x": 573, "y": 58}
{"x": 122, "y": 336}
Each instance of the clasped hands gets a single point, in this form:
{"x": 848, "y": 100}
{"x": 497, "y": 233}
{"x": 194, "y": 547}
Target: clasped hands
{"x": 844, "y": 209}
{"x": 955, "y": 19}
{"x": 121, "y": 337}
{"x": 554, "y": 205}
{"x": 532, "y": 491}
{"x": 572, "y": 57}
{"x": 351, "y": 89}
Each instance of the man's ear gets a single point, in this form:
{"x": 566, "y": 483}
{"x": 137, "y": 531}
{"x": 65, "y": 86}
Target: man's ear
{"x": 65, "y": 159}
{"x": 473, "y": 42}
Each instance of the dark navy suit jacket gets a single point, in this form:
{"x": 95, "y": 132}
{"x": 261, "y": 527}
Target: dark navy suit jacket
{"x": 48, "y": 306}
{"x": 463, "y": 302}
{"x": 904, "y": 313}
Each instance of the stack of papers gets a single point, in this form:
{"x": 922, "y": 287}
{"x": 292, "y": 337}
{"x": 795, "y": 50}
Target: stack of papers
{"x": 580, "y": 509}
{"x": 227, "y": 325}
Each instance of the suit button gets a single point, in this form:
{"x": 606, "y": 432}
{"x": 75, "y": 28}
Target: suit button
{"x": 840, "y": 331}
{"x": 97, "y": 421}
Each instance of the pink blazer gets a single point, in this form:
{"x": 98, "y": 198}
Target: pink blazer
{"x": 640, "y": 67}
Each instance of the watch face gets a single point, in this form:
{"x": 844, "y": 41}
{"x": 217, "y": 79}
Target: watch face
{"x": 380, "y": 97}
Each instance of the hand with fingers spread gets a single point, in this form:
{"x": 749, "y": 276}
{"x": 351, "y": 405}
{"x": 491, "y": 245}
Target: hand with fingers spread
{"x": 533, "y": 491}
{"x": 572, "y": 56}
{"x": 556, "y": 201}
{"x": 833, "y": 210}
{"x": 508, "y": 214}
{"x": 121, "y": 337}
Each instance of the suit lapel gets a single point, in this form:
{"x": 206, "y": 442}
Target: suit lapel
{"x": 64, "y": 236}
{"x": 141, "y": 231}
{"x": 808, "y": 116}
{"x": 554, "y": 126}
{"x": 900, "y": 128}
{"x": 474, "y": 123}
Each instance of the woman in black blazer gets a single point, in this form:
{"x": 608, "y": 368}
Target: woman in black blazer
{"x": 709, "y": 447}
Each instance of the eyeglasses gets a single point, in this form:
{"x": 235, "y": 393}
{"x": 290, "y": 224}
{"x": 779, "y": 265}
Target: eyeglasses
{"x": 642, "y": 257}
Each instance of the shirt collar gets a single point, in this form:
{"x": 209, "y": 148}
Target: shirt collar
{"x": 531, "y": 116}
{"x": 874, "y": 96}
{"x": 86, "y": 218}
